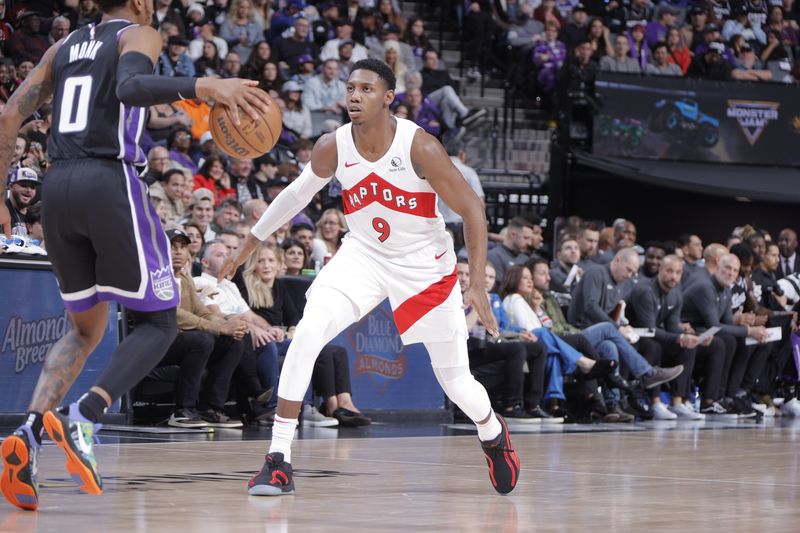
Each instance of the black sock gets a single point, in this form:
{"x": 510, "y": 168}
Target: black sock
{"x": 34, "y": 420}
{"x": 92, "y": 406}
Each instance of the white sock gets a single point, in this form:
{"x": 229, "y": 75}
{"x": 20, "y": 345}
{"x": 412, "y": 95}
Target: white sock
{"x": 282, "y": 435}
{"x": 490, "y": 430}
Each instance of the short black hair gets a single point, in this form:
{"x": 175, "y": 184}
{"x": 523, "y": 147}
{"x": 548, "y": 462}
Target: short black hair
{"x": 378, "y": 67}
{"x": 107, "y": 5}
{"x": 33, "y": 214}
{"x": 743, "y": 252}
{"x": 169, "y": 173}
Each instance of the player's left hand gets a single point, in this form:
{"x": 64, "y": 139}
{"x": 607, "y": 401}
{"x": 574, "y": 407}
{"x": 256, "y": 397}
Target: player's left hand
{"x": 479, "y": 301}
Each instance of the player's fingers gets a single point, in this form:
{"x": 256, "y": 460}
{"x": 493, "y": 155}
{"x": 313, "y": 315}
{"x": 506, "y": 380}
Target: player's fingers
{"x": 250, "y": 83}
{"x": 258, "y": 99}
{"x": 248, "y": 109}
{"x": 234, "y": 111}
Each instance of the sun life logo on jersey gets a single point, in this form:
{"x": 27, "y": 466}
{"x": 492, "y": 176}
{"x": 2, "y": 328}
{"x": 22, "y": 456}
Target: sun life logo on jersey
{"x": 163, "y": 283}
{"x": 753, "y": 116}
{"x": 396, "y": 165}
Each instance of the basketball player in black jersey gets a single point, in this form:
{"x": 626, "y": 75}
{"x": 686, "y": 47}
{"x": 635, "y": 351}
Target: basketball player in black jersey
{"x": 104, "y": 237}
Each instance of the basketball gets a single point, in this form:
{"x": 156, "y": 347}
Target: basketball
{"x": 252, "y": 138}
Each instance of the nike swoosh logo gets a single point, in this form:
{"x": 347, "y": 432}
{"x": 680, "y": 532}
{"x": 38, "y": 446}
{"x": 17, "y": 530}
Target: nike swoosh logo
{"x": 82, "y": 444}
{"x": 348, "y": 165}
{"x": 439, "y": 256}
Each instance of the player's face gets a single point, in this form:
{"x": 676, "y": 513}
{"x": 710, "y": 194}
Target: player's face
{"x": 268, "y": 266}
{"x": 366, "y": 96}
{"x": 294, "y": 258}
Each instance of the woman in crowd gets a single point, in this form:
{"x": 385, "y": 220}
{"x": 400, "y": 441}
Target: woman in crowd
{"x": 678, "y": 53}
{"x": 416, "y": 37}
{"x": 638, "y": 46}
{"x": 599, "y": 36}
{"x": 271, "y": 80}
{"x": 209, "y": 63}
{"x": 330, "y": 229}
{"x": 787, "y": 29}
{"x": 212, "y": 176}
{"x": 296, "y": 118}
{"x": 391, "y": 56}
{"x": 547, "y": 12}
{"x": 196, "y": 243}
{"x": 255, "y": 64}
{"x": 294, "y": 257}
{"x": 387, "y": 14}
{"x": 241, "y": 30}
{"x": 164, "y": 120}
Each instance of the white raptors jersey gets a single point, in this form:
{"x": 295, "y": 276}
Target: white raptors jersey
{"x": 387, "y": 206}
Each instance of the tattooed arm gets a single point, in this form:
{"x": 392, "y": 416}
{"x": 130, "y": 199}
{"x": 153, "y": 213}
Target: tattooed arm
{"x": 28, "y": 97}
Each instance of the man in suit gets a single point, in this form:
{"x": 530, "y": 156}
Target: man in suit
{"x": 787, "y": 242}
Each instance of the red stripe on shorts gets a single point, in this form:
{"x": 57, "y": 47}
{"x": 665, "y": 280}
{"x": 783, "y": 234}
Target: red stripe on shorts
{"x": 409, "y": 312}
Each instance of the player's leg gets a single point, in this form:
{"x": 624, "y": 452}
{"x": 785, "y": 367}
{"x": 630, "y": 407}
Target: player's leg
{"x": 451, "y": 367}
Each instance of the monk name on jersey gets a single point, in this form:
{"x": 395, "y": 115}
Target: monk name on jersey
{"x": 84, "y": 50}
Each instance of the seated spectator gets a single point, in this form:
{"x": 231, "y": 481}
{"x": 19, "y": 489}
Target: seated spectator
{"x": 231, "y": 65}
{"x": 757, "y": 13}
{"x": 163, "y": 14}
{"x": 692, "y": 33}
{"x": 576, "y": 29}
{"x": 209, "y": 63}
{"x": 345, "y": 59}
{"x": 201, "y": 211}
{"x": 392, "y": 34}
{"x": 712, "y": 35}
{"x": 526, "y": 31}
{"x": 741, "y": 25}
{"x": 711, "y": 65}
{"x": 241, "y": 30}
{"x": 658, "y": 28}
{"x": 602, "y": 287}
{"x": 366, "y": 29}
{"x": 23, "y": 184}
{"x": 252, "y": 210}
{"x": 619, "y": 60}
{"x": 749, "y": 67}
{"x": 227, "y": 214}
{"x": 440, "y": 88}
{"x": 175, "y": 61}
{"x": 212, "y": 176}
{"x": 287, "y": 50}
{"x": 7, "y": 83}
{"x": 549, "y": 55}
{"x": 324, "y": 28}
{"x": 388, "y": 15}
{"x": 787, "y": 29}
{"x": 27, "y": 44}
{"x": 258, "y": 58}
{"x": 33, "y": 222}
{"x": 599, "y": 38}
{"x": 247, "y": 187}
{"x": 164, "y": 120}
{"x": 296, "y": 117}
{"x": 692, "y": 255}
{"x": 59, "y": 28}
{"x": 638, "y": 12}
{"x": 330, "y": 229}
{"x": 344, "y": 35}
{"x": 416, "y": 37}
{"x": 198, "y": 47}
{"x": 588, "y": 239}
{"x": 325, "y": 92}
{"x": 157, "y": 164}
{"x": 654, "y": 253}
{"x": 638, "y": 47}
{"x": 199, "y": 112}
{"x": 421, "y": 110}
{"x": 205, "y": 341}
{"x": 284, "y": 18}
{"x": 512, "y": 251}
{"x": 295, "y": 258}
{"x": 480, "y": 25}
{"x": 561, "y": 277}
{"x": 774, "y": 51}
{"x": 661, "y": 65}
{"x": 392, "y": 58}
{"x": 171, "y": 186}
{"x": 547, "y": 12}
{"x": 271, "y": 80}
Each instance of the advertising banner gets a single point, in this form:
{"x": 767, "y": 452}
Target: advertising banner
{"x": 32, "y": 319}
{"x": 384, "y": 373}
{"x": 660, "y": 117}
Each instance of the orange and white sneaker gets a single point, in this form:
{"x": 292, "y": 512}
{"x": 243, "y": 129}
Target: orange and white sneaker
{"x": 74, "y": 434}
{"x": 502, "y": 460}
{"x": 20, "y": 455}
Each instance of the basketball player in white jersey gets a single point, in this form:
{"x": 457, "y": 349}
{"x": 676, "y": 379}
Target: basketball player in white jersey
{"x": 391, "y": 172}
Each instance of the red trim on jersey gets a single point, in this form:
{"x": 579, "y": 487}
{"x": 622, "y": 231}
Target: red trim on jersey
{"x": 374, "y": 188}
{"x": 409, "y": 312}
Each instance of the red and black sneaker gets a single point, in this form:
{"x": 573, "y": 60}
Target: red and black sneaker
{"x": 274, "y": 479}
{"x": 502, "y": 460}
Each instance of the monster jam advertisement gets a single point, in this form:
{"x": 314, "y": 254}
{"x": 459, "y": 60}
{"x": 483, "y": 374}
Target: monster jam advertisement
{"x": 692, "y": 120}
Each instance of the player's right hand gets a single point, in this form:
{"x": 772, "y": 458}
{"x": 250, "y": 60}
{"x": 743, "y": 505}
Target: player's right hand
{"x": 235, "y": 93}
{"x": 479, "y": 300}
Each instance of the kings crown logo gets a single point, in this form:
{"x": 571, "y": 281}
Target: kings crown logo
{"x": 753, "y": 116}
{"x": 162, "y": 282}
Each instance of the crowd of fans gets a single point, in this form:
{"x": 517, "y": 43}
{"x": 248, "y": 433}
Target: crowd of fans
{"x": 559, "y": 319}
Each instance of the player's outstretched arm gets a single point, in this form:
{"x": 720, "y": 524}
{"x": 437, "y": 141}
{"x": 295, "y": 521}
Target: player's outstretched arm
{"x": 289, "y": 201}
{"x": 432, "y": 162}
{"x": 28, "y": 97}
{"x": 139, "y": 48}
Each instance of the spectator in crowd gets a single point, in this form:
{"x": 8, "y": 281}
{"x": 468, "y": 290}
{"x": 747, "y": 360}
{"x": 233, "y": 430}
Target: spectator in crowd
{"x": 392, "y": 58}
{"x": 212, "y": 176}
{"x": 258, "y": 58}
{"x": 692, "y": 33}
{"x": 325, "y": 92}
{"x": 787, "y": 29}
{"x": 440, "y": 88}
{"x": 787, "y": 243}
{"x": 562, "y": 280}
{"x": 23, "y": 184}
{"x": 223, "y": 339}
{"x": 755, "y": 239}
{"x": 577, "y": 28}
{"x": 547, "y": 12}
{"x": 241, "y": 30}
{"x": 366, "y": 29}
{"x": 711, "y": 65}
{"x": 654, "y": 253}
{"x": 661, "y": 65}
{"x": 284, "y": 19}
{"x": 657, "y": 29}
{"x": 638, "y": 48}
{"x": 345, "y": 59}
{"x": 741, "y": 25}
{"x": 417, "y": 39}
{"x": 712, "y": 35}
{"x": 525, "y": 32}
{"x": 164, "y": 120}
{"x": 512, "y": 251}
{"x": 549, "y": 55}
{"x": 389, "y": 15}
{"x": 344, "y": 35}
{"x": 295, "y": 258}
{"x": 330, "y": 229}
{"x": 179, "y": 142}
{"x": 199, "y": 113}
{"x": 157, "y": 164}
{"x": 175, "y": 61}
{"x": 244, "y": 182}
{"x": 171, "y": 186}
{"x": 287, "y": 50}
{"x": 231, "y": 65}
{"x": 656, "y": 304}
{"x": 209, "y": 63}
{"x": 774, "y": 51}
{"x": 201, "y": 211}
{"x": 599, "y": 38}
{"x": 59, "y": 28}
{"x": 271, "y": 80}
{"x": 324, "y": 28}
{"x": 457, "y": 152}
{"x": 296, "y": 117}
{"x": 620, "y": 60}
{"x": 757, "y": 12}
{"x": 421, "y": 110}
{"x": 252, "y": 210}
{"x": 200, "y": 49}
{"x": 588, "y": 239}
{"x": 24, "y": 68}
{"x": 7, "y": 83}
{"x": 33, "y": 222}
{"x": 164, "y": 13}
{"x": 27, "y": 44}
{"x": 692, "y": 248}
{"x": 749, "y": 67}
{"x": 227, "y": 214}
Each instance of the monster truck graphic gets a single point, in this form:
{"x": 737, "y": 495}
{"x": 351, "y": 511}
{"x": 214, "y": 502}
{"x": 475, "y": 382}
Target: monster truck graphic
{"x": 684, "y": 120}
{"x": 627, "y": 131}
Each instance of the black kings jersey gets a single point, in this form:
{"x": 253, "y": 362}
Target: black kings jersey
{"x": 89, "y": 121}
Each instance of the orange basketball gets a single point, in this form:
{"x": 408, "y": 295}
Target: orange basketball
{"x": 252, "y": 138}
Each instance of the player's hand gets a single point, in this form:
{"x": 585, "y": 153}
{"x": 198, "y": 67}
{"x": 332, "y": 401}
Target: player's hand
{"x": 235, "y": 93}
{"x": 479, "y": 301}
{"x": 5, "y": 219}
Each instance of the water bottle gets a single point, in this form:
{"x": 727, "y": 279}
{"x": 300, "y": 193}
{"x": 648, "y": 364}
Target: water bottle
{"x": 696, "y": 399}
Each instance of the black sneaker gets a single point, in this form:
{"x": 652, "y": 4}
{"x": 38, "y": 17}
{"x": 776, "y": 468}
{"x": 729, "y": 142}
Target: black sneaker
{"x": 544, "y": 417}
{"x": 502, "y": 460}
{"x": 740, "y": 406}
{"x": 473, "y": 117}
{"x": 661, "y": 375}
{"x": 20, "y": 453}
{"x": 716, "y": 409}
{"x": 274, "y": 479}
{"x": 518, "y": 414}
{"x": 350, "y": 419}
{"x": 616, "y": 415}
{"x": 186, "y": 418}
{"x": 218, "y": 419}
